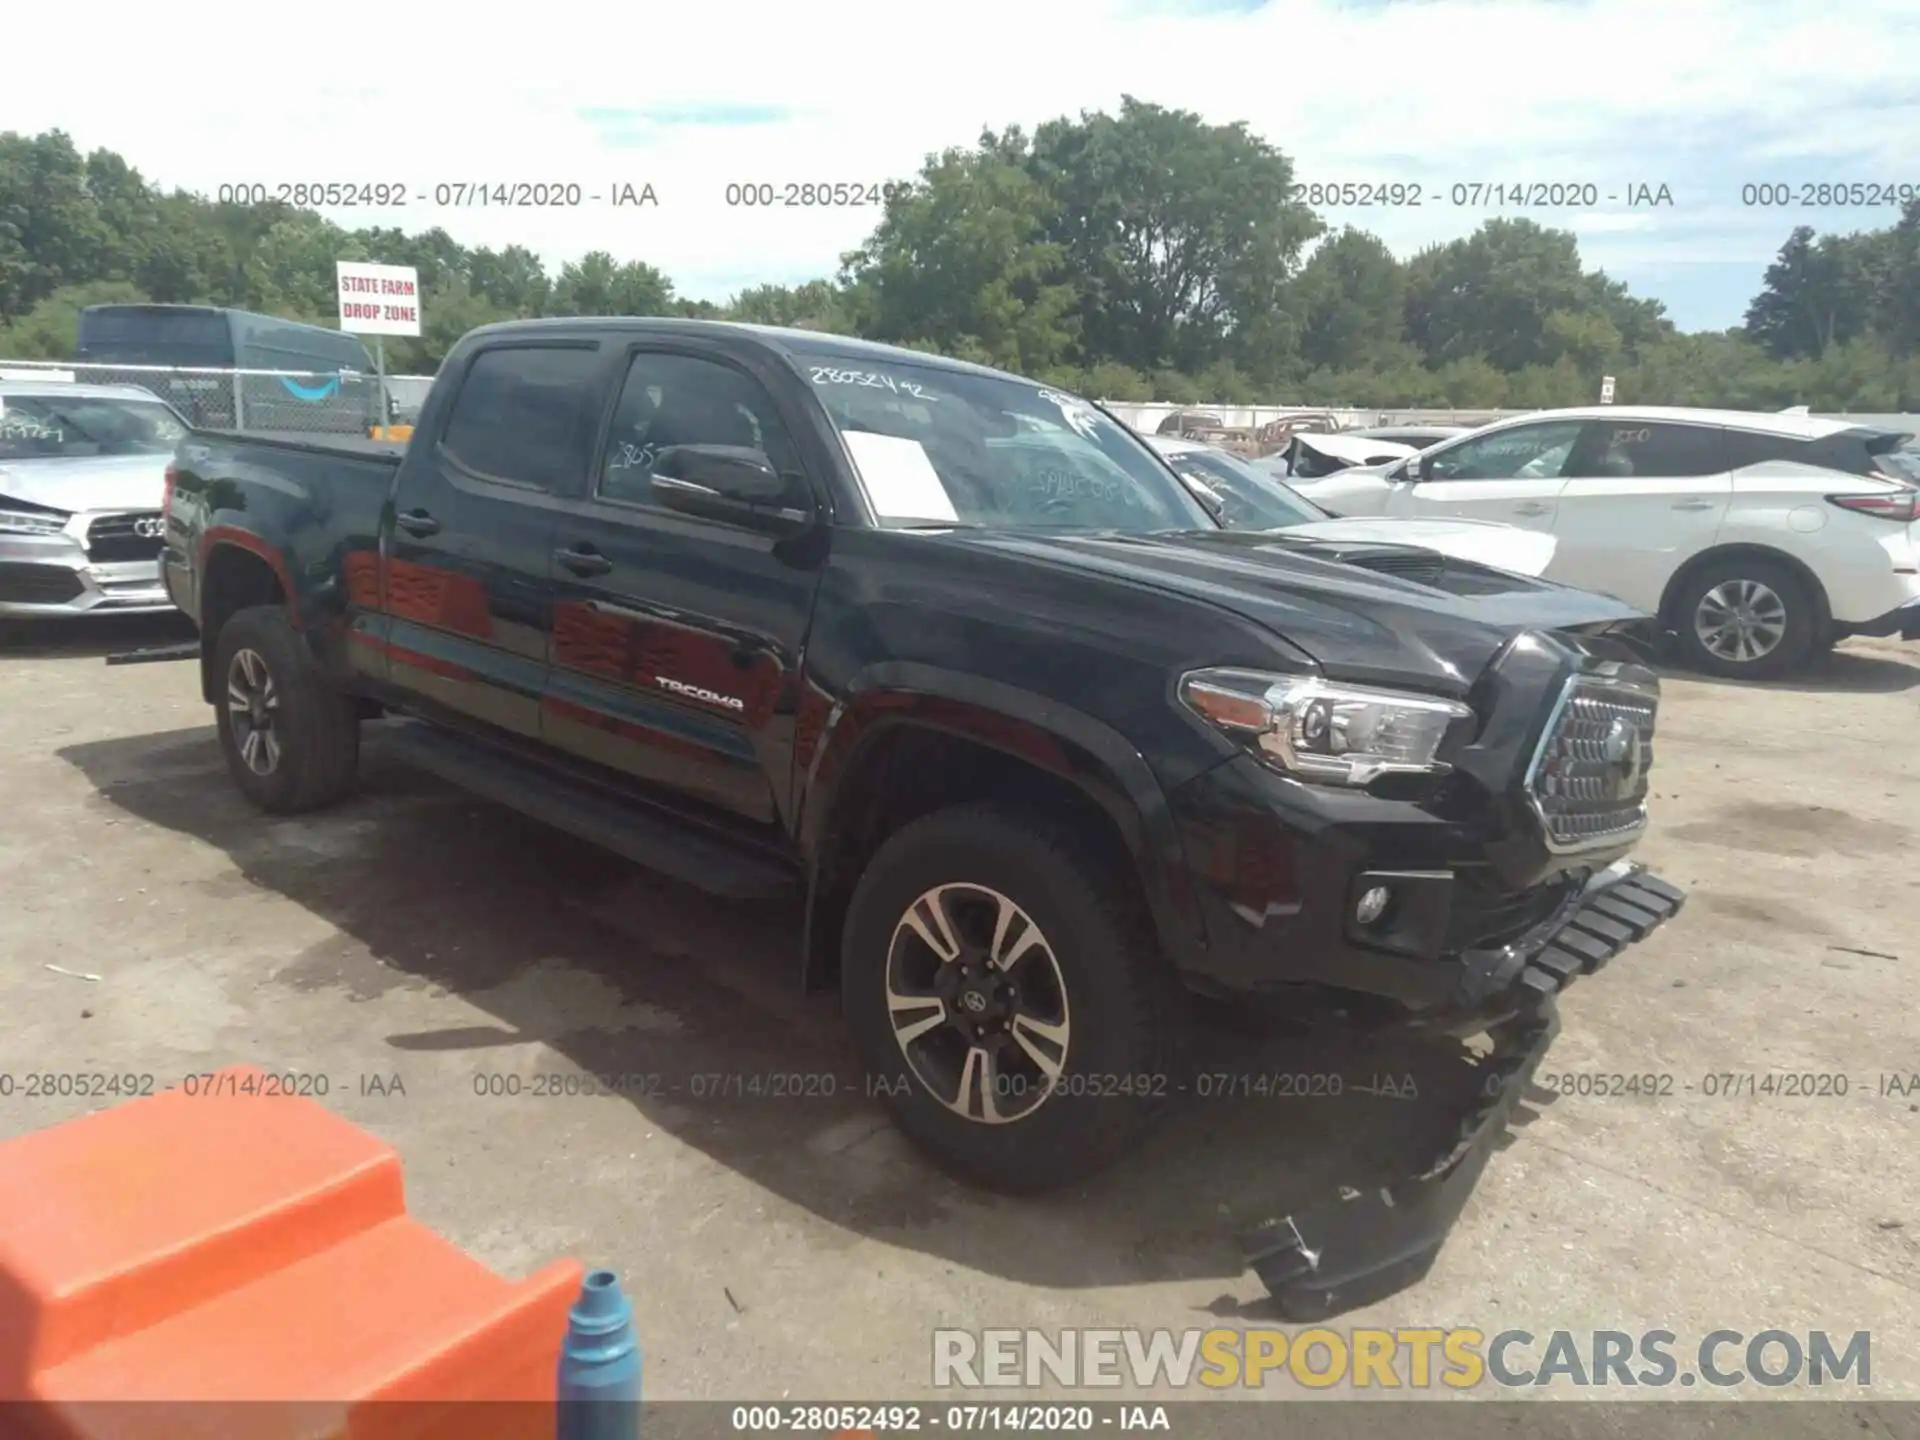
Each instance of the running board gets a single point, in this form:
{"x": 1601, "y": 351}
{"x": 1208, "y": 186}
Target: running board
{"x": 688, "y": 853}
{"x": 186, "y": 650}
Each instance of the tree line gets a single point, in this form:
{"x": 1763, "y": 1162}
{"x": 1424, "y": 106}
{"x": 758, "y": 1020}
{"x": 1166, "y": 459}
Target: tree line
{"x": 1144, "y": 255}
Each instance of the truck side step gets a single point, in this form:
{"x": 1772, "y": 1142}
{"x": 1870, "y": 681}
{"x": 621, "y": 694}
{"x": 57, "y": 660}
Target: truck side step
{"x": 185, "y": 650}
{"x": 689, "y": 853}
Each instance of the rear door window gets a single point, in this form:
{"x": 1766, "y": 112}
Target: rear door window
{"x": 525, "y": 414}
{"x": 1751, "y": 447}
{"x": 1629, "y": 449}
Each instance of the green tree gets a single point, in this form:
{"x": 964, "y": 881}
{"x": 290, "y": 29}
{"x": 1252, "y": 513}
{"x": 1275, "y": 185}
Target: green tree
{"x": 48, "y": 331}
{"x": 1813, "y": 296}
{"x": 1350, "y": 298}
{"x": 1141, "y": 255}
{"x": 816, "y": 305}
{"x": 51, "y": 231}
{"x": 1181, "y": 235}
{"x": 961, "y": 259}
{"x": 512, "y": 279}
{"x": 597, "y": 284}
{"x": 1495, "y": 294}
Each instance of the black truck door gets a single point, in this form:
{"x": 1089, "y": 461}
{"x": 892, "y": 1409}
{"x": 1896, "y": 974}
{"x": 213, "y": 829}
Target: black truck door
{"x": 675, "y": 637}
{"x": 474, "y": 514}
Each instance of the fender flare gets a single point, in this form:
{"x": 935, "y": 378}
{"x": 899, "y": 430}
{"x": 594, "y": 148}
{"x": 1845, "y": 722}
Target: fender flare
{"x": 1093, "y": 757}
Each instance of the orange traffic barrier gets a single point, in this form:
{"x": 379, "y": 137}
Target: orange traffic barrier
{"x": 242, "y": 1265}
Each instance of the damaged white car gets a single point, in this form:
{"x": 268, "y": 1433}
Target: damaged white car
{"x": 1247, "y": 498}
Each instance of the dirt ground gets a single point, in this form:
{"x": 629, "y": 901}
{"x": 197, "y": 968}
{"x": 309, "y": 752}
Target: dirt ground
{"x": 793, "y": 1247}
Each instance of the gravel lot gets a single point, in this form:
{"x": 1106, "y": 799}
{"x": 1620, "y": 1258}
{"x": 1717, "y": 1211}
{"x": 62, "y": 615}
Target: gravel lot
{"x": 792, "y": 1247}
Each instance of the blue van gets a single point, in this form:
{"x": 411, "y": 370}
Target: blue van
{"x": 326, "y": 383}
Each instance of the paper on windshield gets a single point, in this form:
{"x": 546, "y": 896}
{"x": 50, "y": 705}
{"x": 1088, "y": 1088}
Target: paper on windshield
{"x": 900, "y": 479}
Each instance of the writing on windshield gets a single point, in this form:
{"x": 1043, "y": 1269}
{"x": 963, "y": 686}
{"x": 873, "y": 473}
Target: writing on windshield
{"x": 971, "y": 448}
{"x": 36, "y": 427}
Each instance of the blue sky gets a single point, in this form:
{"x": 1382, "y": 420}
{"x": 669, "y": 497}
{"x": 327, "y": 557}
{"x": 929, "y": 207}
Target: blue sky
{"x": 1705, "y": 98}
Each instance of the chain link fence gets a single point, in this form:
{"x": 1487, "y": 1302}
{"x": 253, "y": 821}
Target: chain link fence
{"x": 311, "y": 402}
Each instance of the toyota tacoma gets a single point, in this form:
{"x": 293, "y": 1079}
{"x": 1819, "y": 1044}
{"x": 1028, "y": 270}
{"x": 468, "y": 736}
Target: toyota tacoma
{"x": 958, "y": 658}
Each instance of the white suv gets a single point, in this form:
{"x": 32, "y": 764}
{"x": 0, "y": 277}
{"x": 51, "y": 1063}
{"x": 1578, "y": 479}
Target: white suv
{"x": 1757, "y": 539}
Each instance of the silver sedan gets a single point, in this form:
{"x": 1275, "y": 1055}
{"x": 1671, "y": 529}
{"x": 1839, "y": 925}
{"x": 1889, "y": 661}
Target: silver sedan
{"x": 82, "y": 485}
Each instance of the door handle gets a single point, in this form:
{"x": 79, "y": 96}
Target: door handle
{"x": 584, "y": 561}
{"x": 1693, "y": 505}
{"x": 1531, "y": 507}
{"x": 417, "y": 522}
{"x": 622, "y": 612}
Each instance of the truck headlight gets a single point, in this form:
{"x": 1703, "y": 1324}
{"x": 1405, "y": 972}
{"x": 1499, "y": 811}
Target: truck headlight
{"x": 32, "y": 522}
{"x": 1314, "y": 729}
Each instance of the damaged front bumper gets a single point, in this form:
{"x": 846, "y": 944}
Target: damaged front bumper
{"x": 1362, "y": 1246}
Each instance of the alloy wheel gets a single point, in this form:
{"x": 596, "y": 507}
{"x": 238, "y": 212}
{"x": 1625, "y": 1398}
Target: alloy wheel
{"x": 1740, "y": 620}
{"x": 978, "y": 1003}
{"x": 253, "y": 706}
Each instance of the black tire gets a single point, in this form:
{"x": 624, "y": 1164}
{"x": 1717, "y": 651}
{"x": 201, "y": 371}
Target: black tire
{"x": 1774, "y": 593}
{"x": 1126, "y": 1011}
{"x": 315, "y": 729}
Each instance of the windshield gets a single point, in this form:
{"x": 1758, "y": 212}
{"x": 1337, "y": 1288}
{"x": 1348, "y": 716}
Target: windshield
{"x": 1253, "y": 500}
{"x": 935, "y": 445}
{"x": 46, "y": 427}
{"x": 155, "y": 335}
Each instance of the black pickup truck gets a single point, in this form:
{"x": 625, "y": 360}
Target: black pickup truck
{"x": 958, "y": 657}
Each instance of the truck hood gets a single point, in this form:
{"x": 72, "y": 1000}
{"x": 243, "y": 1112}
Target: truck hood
{"x": 104, "y": 482}
{"x": 1363, "y": 611}
{"x": 1485, "y": 542}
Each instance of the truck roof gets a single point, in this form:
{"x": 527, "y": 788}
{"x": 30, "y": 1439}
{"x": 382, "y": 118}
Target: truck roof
{"x": 790, "y": 341}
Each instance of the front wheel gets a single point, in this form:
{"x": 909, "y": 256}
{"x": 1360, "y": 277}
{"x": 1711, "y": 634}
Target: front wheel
{"x": 1746, "y": 620}
{"x": 291, "y": 740}
{"x": 1008, "y": 1000}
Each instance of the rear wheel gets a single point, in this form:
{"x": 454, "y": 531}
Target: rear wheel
{"x": 1746, "y": 620}
{"x": 291, "y": 740}
{"x": 1008, "y": 1000}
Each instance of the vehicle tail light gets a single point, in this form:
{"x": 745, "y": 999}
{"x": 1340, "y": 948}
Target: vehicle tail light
{"x": 1904, "y": 507}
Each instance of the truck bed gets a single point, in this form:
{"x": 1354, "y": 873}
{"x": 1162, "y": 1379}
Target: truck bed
{"x": 357, "y": 446}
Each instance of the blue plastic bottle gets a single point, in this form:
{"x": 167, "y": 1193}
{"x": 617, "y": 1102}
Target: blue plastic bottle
{"x": 600, "y": 1365}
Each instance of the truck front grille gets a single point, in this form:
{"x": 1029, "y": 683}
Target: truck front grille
{"x": 134, "y": 536}
{"x": 1588, "y": 780}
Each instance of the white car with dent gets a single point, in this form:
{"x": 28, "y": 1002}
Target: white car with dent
{"x": 1253, "y": 499}
{"x": 1759, "y": 540}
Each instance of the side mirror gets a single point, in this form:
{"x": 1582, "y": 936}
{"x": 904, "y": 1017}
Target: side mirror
{"x": 732, "y": 483}
{"x": 1208, "y": 497}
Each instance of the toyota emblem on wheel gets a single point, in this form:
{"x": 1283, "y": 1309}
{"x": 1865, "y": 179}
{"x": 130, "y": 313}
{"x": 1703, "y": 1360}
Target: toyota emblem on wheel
{"x": 150, "y": 527}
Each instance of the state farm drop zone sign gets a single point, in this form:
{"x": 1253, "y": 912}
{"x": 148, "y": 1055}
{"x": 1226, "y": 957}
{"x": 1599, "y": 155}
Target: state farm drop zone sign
{"x": 378, "y": 299}
{"x": 396, "y": 301}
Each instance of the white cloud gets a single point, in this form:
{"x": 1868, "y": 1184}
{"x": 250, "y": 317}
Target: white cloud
{"x": 1700, "y": 95}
